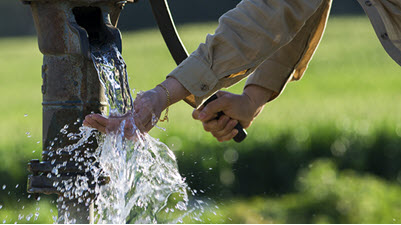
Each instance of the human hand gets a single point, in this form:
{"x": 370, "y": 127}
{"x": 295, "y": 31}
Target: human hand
{"x": 236, "y": 108}
{"x": 121, "y": 124}
{"x": 147, "y": 109}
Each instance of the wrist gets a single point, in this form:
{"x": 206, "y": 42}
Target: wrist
{"x": 176, "y": 90}
{"x": 163, "y": 96}
{"x": 258, "y": 95}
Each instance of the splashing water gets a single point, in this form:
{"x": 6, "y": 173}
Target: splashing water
{"x": 144, "y": 184}
{"x": 112, "y": 72}
{"x": 143, "y": 173}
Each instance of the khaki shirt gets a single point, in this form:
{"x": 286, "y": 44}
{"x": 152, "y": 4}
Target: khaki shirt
{"x": 273, "y": 42}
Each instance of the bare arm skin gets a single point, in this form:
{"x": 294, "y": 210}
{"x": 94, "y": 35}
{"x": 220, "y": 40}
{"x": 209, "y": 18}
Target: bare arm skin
{"x": 147, "y": 104}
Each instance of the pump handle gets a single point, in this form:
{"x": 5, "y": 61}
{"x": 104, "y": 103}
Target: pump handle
{"x": 241, "y": 131}
{"x": 165, "y": 21}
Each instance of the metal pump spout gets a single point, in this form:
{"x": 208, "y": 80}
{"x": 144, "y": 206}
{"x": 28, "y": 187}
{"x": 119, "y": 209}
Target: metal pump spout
{"x": 71, "y": 89}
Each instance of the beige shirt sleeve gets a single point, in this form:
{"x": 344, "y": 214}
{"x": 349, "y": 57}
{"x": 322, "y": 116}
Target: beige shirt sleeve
{"x": 246, "y": 37}
{"x": 385, "y": 16}
{"x": 291, "y": 61}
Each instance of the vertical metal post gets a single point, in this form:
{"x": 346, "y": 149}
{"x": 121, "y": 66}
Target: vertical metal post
{"x": 71, "y": 90}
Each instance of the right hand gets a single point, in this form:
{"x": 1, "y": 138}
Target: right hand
{"x": 241, "y": 109}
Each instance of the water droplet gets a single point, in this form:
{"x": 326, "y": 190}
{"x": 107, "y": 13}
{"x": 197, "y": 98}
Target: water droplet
{"x": 4, "y": 187}
{"x": 181, "y": 206}
{"x": 55, "y": 184}
{"x": 28, "y": 217}
{"x": 55, "y": 170}
{"x": 16, "y": 186}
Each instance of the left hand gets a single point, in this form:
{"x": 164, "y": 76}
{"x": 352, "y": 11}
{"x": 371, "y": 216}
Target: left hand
{"x": 111, "y": 124}
{"x": 147, "y": 109}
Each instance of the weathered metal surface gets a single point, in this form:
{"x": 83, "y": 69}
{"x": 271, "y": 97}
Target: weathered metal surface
{"x": 45, "y": 184}
{"x": 63, "y": 167}
{"x": 71, "y": 90}
{"x": 59, "y": 31}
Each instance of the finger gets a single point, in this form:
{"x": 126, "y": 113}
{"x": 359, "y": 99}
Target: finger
{"x": 221, "y": 93}
{"x": 227, "y": 129}
{"x": 100, "y": 119}
{"x": 129, "y": 128}
{"x": 195, "y": 113}
{"x": 137, "y": 107}
{"x": 229, "y": 136}
{"x": 216, "y": 125}
{"x": 144, "y": 118}
{"x": 148, "y": 127}
{"x": 139, "y": 123}
{"x": 209, "y": 126}
{"x": 210, "y": 111}
{"x": 86, "y": 123}
{"x": 94, "y": 124}
{"x": 87, "y": 119}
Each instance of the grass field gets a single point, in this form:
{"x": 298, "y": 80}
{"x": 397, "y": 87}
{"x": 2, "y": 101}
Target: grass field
{"x": 351, "y": 86}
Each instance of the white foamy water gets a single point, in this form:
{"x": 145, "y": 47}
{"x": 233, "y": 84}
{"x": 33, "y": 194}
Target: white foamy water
{"x": 143, "y": 181}
{"x": 143, "y": 173}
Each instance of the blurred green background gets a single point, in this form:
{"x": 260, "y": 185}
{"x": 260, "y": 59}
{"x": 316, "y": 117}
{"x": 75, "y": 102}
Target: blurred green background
{"x": 326, "y": 151}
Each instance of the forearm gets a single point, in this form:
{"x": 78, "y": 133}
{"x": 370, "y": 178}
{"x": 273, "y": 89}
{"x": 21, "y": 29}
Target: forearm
{"x": 258, "y": 97}
{"x": 246, "y": 36}
{"x": 176, "y": 91}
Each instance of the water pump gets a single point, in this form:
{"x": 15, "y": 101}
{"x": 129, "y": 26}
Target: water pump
{"x": 71, "y": 90}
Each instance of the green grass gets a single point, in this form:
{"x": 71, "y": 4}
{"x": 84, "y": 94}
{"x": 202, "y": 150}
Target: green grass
{"x": 351, "y": 86}
{"x": 325, "y": 195}
{"x": 350, "y": 81}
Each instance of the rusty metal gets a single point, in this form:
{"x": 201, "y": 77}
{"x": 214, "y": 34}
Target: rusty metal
{"x": 71, "y": 89}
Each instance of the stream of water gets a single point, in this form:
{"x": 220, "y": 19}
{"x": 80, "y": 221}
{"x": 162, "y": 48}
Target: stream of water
{"x": 144, "y": 184}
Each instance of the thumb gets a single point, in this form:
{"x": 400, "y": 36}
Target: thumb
{"x": 196, "y": 112}
{"x": 210, "y": 111}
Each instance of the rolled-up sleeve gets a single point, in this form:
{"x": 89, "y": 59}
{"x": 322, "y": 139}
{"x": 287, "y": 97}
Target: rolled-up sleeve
{"x": 291, "y": 61}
